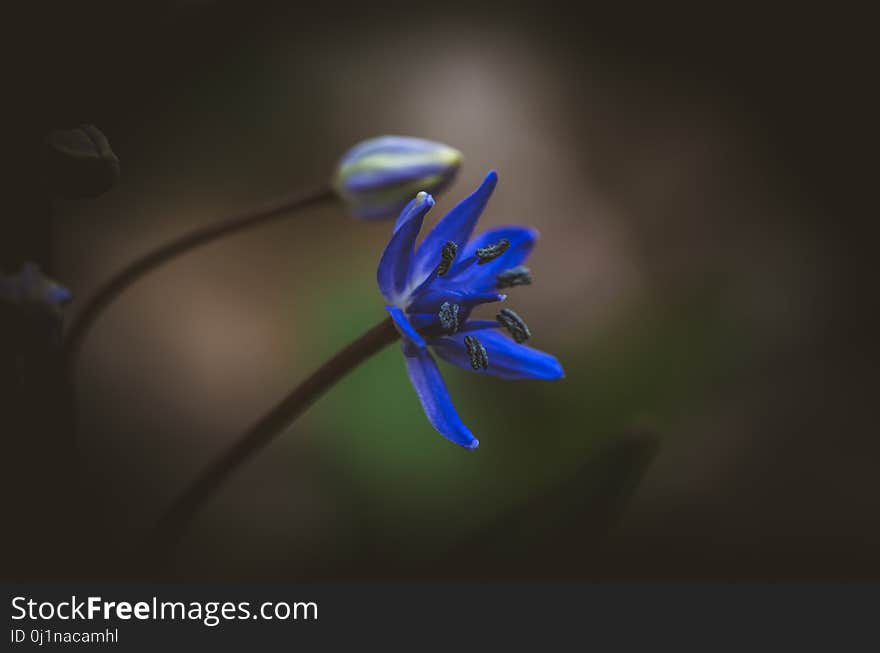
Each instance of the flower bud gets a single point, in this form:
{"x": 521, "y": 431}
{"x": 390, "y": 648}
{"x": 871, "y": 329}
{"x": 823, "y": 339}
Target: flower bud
{"x": 379, "y": 176}
{"x": 32, "y": 290}
{"x": 80, "y": 162}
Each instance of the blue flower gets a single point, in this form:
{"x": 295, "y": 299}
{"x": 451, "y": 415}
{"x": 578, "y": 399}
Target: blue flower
{"x": 32, "y": 290}
{"x": 432, "y": 290}
{"x": 379, "y": 176}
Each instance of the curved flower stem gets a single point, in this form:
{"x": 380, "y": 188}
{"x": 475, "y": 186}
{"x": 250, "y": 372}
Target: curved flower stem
{"x": 116, "y": 285}
{"x": 173, "y": 524}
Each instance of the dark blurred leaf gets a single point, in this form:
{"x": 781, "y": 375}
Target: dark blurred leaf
{"x": 563, "y": 527}
{"x": 80, "y": 162}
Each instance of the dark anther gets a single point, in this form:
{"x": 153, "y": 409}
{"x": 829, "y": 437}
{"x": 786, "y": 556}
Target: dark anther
{"x": 493, "y": 251}
{"x": 449, "y": 317}
{"x": 477, "y": 352}
{"x": 447, "y": 256}
{"x": 518, "y": 276}
{"x": 514, "y": 323}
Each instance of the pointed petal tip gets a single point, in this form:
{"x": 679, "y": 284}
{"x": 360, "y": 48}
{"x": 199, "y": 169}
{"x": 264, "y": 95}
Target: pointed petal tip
{"x": 486, "y": 187}
{"x": 473, "y": 445}
{"x": 395, "y": 262}
{"x": 423, "y": 202}
{"x": 452, "y": 157}
{"x": 434, "y": 397}
{"x": 553, "y": 368}
{"x": 489, "y": 182}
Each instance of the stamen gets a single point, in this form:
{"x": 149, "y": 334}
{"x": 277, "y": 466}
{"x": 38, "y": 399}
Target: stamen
{"x": 447, "y": 256}
{"x": 477, "y": 353}
{"x": 518, "y": 276}
{"x": 514, "y": 324}
{"x": 493, "y": 251}
{"x": 449, "y": 317}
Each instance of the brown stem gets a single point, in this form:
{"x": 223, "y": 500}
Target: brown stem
{"x": 117, "y": 284}
{"x": 173, "y": 524}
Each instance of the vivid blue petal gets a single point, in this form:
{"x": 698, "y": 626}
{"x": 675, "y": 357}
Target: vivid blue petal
{"x": 435, "y": 398}
{"x": 404, "y": 326}
{"x": 431, "y": 300}
{"x": 507, "y": 359}
{"x": 423, "y": 320}
{"x": 425, "y": 284}
{"x": 396, "y": 259}
{"x": 521, "y": 238}
{"x": 404, "y": 216}
{"x": 466, "y": 272}
{"x": 429, "y": 324}
{"x": 479, "y": 325}
{"x": 456, "y": 226}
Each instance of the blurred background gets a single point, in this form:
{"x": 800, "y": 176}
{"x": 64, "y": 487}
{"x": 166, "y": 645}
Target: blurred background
{"x": 698, "y": 274}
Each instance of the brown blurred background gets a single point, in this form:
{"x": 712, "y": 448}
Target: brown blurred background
{"x": 695, "y": 179}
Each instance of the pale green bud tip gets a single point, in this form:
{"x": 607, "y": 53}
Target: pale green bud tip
{"x": 379, "y": 176}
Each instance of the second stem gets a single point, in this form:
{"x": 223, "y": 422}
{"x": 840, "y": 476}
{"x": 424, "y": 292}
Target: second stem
{"x": 118, "y": 283}
{"x": 173, "y": 524}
